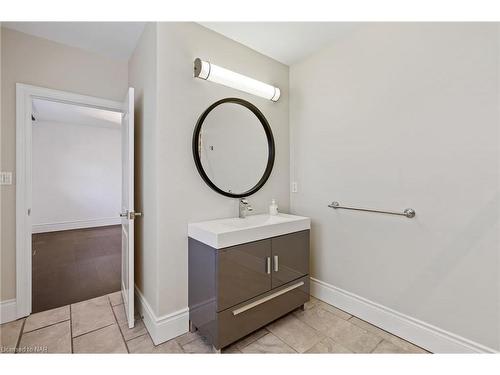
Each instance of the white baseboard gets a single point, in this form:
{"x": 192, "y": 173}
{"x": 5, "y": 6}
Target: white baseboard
{"x": 76, "y": 224}
{"x": 165, "y": 327}
{"x": 8, "y": 311}
{"x": 418, "y": 332}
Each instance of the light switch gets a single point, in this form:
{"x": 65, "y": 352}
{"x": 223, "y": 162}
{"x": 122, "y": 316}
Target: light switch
{"x": 5, "y": 178}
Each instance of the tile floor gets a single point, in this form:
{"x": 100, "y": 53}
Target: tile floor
{"x": 99, "y": 326}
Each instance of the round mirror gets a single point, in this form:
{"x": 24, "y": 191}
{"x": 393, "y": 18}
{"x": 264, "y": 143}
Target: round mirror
{"x": 233, "y": 147}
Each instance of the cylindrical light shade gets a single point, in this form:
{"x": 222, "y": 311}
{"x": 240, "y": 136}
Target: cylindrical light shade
{"x": 214, "y": 73}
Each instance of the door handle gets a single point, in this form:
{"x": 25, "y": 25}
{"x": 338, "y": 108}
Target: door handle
{"x": 268, "y": 265}
{"x": 267, "y": 298}
{"x": 276, "y": 264}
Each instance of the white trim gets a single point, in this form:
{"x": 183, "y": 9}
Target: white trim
{"x": 76, "y": 224}
{"x": 165, "y": 327}
{"x": 130, "y": 315}
{"x": 8, "y": 311}
{"x": 416, "y": 331}
{"x": 24, "y": 96}
{"x": 127, "y": 205}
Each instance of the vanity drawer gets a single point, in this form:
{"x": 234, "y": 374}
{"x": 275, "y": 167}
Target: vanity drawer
{"x": 243, "y": 319}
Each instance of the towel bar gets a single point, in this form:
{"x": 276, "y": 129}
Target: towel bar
{"x": 408, "y": 212}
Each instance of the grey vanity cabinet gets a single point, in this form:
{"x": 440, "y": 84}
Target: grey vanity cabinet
{"x": 242, "y": 273}
{"x": 236, "y": 290}
{"x": 289, "y": 260}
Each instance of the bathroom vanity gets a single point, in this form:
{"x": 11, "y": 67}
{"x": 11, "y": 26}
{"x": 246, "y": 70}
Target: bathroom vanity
{"x": 248, "y": 271}
{"x": 245, "y": 273}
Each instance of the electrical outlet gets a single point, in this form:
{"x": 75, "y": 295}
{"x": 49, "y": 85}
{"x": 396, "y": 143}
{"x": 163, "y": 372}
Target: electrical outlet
{"x": 295, "y": 187}
{"x": 5, "y": 178}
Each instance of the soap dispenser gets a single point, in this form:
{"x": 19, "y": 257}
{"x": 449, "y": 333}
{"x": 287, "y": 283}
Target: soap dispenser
{"x": 273, "y": 208}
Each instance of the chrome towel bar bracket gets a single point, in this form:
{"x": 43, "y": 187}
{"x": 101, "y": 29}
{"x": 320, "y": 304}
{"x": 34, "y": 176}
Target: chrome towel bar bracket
{"x": 408, "y": 212}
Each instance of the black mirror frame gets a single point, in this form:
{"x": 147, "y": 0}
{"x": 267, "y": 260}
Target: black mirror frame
{"x": 270, "y": 145}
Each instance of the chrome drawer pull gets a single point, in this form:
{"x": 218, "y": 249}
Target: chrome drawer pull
{"x": 276, "y": 265}
{"x": 268, "y": 265}
{"x": 267, "y": 298}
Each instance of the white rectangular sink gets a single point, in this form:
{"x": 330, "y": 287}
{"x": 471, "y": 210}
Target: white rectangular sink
{"x": 234, "y": 231}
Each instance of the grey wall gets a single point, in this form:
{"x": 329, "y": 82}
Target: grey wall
{"x": 56, "y": 66}
{"x": 143, "y": 67}
{"x": 396, "y": 116}
{"x": 183, "y": 197}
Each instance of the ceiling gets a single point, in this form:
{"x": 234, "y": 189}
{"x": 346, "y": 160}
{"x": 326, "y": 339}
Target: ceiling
{"x": 287, "y": 42}
{"x": 49, "y": 111}
{"x": 113, "y": 39}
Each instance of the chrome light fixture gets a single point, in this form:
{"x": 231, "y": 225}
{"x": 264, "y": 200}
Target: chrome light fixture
{"x": 210, "y": 72}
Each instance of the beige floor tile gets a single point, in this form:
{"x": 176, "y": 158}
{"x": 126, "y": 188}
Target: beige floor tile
{"x": 314, "y": 302}
{"x": 311, "y": 303}
{"x": 341, "y": 331}
{"x": 327, "y": 345}
{"x": 247, "y": 340}
{"x": 388, "y": 347}
{"x": 144, "y": 344}
{"x": 268, "y": 344}
{"x": 131, "y": 333}
{"x": 236, "y": 347}
{"x": 406, "y": 346}
{"x": 231, "y": 349}
{"x": 52, "y": 339}
{"x": 46, "y": 318}
{"x": 115, "y": 298}
{"x": 9, "y": 335}
{"x": 90, "y": 315}
{"x": 200, "y": 345}
{"x": 335, "y": 311}
{"x": 295, "y": 333}
{"x": 187, "y": 337}
{"x": 371, "y": 328}
{"x": 121, "y": 316}
{"x": 104, "y": 340}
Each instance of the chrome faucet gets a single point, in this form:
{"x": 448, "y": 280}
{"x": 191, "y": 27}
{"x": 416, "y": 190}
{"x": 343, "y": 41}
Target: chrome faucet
{"x": 244, "y": 208}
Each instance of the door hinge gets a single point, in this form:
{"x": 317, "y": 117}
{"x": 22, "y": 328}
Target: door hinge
{"x": 132, "y": 215}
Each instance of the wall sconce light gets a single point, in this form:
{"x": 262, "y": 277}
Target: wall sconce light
{"x": 210, "y": 72}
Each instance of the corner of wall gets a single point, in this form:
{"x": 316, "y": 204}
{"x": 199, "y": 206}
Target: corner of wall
{"x": 143, "y": 67}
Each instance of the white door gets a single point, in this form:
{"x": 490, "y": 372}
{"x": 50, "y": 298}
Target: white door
{"x": 128, "y": 214}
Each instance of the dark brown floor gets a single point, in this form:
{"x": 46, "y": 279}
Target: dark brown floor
{"x": 75, "y": 265}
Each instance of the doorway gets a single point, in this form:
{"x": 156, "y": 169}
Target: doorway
{"x": 76, "y": 198}
{"x": 74, "y": 238}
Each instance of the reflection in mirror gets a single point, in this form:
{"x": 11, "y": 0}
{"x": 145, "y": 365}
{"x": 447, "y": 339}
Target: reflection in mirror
{"x": 233, "y": 148}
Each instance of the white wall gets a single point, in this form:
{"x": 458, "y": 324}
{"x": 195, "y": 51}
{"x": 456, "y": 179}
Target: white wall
{"x": 183, "y": 196}
{"x": 56, "y": 66}
{"x": 396, "y": 116}
{"x": 76, "y": 176}
{"x": 169, "y": 190}
{"x": 1, "y": 186}
{"x": 143, "y": 78}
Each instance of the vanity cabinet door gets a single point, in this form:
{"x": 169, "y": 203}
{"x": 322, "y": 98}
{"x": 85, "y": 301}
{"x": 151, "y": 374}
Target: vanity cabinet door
{"x": 243, "y": 272}
{"x": 290, "y": 257}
